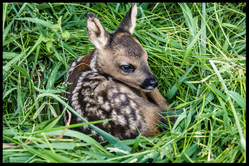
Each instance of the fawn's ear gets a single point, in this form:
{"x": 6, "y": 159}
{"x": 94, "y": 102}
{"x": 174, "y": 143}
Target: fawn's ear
{"x": 129, "y": 21}
{"x": 96, "y": 32}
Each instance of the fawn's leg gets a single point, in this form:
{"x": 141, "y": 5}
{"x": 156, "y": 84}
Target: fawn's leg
{"x": 157, "y": 97}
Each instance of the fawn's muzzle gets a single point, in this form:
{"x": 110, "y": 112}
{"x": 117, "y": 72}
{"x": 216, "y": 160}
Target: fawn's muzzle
{"x": 149, "y": 83}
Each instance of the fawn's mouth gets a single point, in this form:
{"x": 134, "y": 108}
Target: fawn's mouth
{"x": 149, "y": 84}
{"x": 148, "y": 89}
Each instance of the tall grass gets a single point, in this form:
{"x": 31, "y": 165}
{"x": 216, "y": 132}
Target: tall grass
{"x": 196, "y": 50}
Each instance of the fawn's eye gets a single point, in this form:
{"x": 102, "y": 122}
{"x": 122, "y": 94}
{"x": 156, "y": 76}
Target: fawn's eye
{"x": 128, "y": 68}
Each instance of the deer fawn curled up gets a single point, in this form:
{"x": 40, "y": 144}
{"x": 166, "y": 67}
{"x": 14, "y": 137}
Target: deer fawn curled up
{"x": 110, "y": 82}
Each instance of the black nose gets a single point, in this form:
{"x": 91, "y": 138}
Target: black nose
{"x": 153, "y": 82}
{"x": 149, "y": 83}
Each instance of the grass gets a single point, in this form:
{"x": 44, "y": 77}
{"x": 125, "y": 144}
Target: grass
{"x": 196, "y": 50}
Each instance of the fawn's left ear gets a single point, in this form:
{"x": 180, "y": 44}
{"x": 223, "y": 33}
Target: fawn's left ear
{"x": 96, "y": 32}
{"x": 129, "y": 21}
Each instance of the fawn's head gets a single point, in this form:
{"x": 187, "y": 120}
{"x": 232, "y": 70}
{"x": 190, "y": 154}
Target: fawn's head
{"x": 119, "y": 54}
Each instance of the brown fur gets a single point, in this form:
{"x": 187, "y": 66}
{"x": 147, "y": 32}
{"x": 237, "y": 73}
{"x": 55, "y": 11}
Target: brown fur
{"x": 101, "y": 89}
{"x": 83, "y": 65}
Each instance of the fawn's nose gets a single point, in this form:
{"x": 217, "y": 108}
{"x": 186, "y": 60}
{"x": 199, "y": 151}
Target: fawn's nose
{"x": 153, "y": 83}
{"x": 149, "y": 83}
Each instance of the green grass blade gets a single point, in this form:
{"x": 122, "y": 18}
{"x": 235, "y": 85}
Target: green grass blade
{"x": 171, "y": 93}
{"x": 62, "y": 145}
{"x": 189, "y": 18}
{"x": 36, "y": 20}
{"x": 97, "y": 155}
{"x": 49, "y": 90}
{"x": 217, "y": 91}
{"x": 189, "y": 151}
{"x": 190, "y": 46}
{"x": 38, "y": 111}
{"x": 8, "y": 92}
{"x": 225, "y": 116}
{"x": 137, "y": 140}
{"x": 218, "y": 20}
{"x": 52, "y": 77}
{"x": 203, "y": 35}
{"x": 10, "y": 40}
{"x": 9, "y": 55}
{"x": 19, "y": 103}
{"x": 80, "y": 136}
{"x": 179, "y": 119}
{"x": 57, "y": 157}
{"x": 239, "y": 99}
{"x": 7, "y": 29}
{"x": 5, "y": 5}
{"x": 51, "y": 123}
{"x": 22, "y": 71}
{"x": 39, "y": 40}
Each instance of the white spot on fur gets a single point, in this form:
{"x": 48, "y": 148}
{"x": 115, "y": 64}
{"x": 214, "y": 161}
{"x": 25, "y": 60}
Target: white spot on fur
{"x": 110, "y": 79}
{"x": 113, "y": 114}
{"x": 132, "y": 127}
{"x": 127, "y": 110}
{"x": 88, "y": 105}
{"x": 99, "y": 113}
{"x": 86, "y": 83}
{"x": 133, "y": 105}
{"x": 104, "y": 123}
{"x": 74, "y": 98}
{"x": 123, "y": 89}
{"x": 92, "y": 109}
{"x": 93, "y": 132}
{"x": 106, "y": 106}
{"x": 93, "y": 61}
{"x": 73, "y": 64}
{"x": 79, "y": 111}
{"x": 122, "y": 97}
{"x": 101, "y": 99}
{"x": 72, "y": 67}
{"x": 79, "y": 59}
{"x": 76, "y": 107}
{"x": 74, "y": 103}
{"x": 89, "y": 100}
{"x": 85, "y": 127}
{"x": 117, "y": 100}
{"x": 101, "y": 138}
{"x": 113, "y": 91}
{"x": 121, "y": 120}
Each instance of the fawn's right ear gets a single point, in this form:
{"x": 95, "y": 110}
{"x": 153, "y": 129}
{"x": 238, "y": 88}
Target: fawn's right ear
{"x": 96, "y": 32}
{"x": 129, "y": 21}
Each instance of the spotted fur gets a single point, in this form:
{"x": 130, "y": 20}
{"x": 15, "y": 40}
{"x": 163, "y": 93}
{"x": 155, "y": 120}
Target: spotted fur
{"x": 98, "y": 89}
{"x": 94, "y": 97}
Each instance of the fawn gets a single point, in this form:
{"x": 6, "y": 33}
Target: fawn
{"x": 110, "y": 82}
